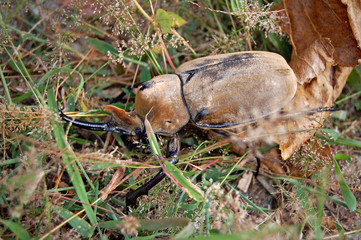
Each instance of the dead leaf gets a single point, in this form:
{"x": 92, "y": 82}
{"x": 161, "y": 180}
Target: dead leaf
{"x": 245, "y": 182}
{"x": 321, "y": 92}
{"x": 353, "y": 11}
{"x": 307, "y": 21}
{"x": 113, "y": 184}
{"x": 273, "y": 162}
{"x": 324, "y": 52}
{"x": 313, "y": 61}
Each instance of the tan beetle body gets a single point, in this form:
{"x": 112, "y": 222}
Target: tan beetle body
{"x": 219, "y": 91}
{"x": 216, "y": 92}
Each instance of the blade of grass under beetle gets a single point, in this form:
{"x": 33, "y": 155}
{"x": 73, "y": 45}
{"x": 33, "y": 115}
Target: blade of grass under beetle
{"x": 68, "y": 157}
{"x": 170, "y": 170}
{"x": 151, "y": 137}
{"x": 182, "y": 182}
{"x": 346, "y": 192}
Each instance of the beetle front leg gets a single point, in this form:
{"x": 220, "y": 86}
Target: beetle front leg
{"x": 172, "y": 152}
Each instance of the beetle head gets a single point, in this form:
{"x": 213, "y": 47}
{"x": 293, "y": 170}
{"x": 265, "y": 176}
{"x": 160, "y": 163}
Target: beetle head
{"x": 121, "y": 122}
{"x": 124, "y": 122}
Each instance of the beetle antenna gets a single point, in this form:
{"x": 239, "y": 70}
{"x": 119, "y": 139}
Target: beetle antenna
{"x": 88, "y": 125}
{"x": 309, "y": 112}
{"x": 325, "y": 109}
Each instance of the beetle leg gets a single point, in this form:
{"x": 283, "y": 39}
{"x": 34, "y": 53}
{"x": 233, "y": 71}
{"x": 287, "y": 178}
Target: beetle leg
{"x": 172, "y": 152}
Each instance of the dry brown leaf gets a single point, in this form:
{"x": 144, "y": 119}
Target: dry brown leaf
{"x": 113, "y": 184}
{"x": 309, "y": 20}
{"x": 323, "y": 45}
{"x": 354, "y": 10}
{"x": 245, "y": 181}
{"x": 319, "y": 93}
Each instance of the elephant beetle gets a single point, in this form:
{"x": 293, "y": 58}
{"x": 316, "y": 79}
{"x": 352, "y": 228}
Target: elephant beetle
{"x": 217, "y": 93}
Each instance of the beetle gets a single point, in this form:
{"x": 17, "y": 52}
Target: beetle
{"x": 220, "y": 93}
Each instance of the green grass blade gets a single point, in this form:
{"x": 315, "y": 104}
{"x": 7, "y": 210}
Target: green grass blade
{"x": 234, "y": 166}
{"x": 346, "y": 192}
{"x": 7, "y": 93}
{"x": 16, "y": 228}
{"x": 311, "y": 190}
{"x": 348, "y": 142}
{"x": 341, "y": 156}
{"x": 69, "y": 157}
{"x": 186, "y": 232}
{"x": 182, "y": 182}
{"x": 335, "y": 139}
{"x": 79, "y": 224}
{"x": 152, "y": 138}
{"x": 247, "y": 200}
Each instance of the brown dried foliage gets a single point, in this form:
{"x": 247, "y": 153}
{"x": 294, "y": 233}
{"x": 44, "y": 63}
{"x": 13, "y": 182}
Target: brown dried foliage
{"x": 323, "y": 35}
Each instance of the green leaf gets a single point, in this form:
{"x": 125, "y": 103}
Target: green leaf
{"x": 102, "y": 46}
{"x": 165, "y": 20}
{"x": 182, "y": 182}
{"x": 105, "y": 47}
{"x": 332, "y": 133}
{"x": 178, "y": 21}
{"x": 16, "y": 228}
{"x": 354, "y": 79}
{"x": 40, "y": 85}
{"x": 346, "y": 192}
{"x": 348, "y": 142}
{"x": 17, "y": 66}
{"x": 189, "y": 206}
{"x": 341, "y": 156}
{"x": 79, "y": 224}
{"x": 339, "y": 229}
{"x": 145, "y": 74}
{"x": 334, "y": 138}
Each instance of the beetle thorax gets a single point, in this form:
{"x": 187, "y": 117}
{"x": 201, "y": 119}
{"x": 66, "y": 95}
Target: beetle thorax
{"x": 161, "y": 100}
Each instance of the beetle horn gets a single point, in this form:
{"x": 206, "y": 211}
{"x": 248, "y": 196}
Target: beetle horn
{"x": 88, "y": 125}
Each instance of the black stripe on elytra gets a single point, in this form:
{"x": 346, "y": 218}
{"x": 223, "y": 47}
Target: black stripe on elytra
{"x": 146, "y": 85}
{"x": 228, "y": 60}
{"x": 190, "y": 73}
